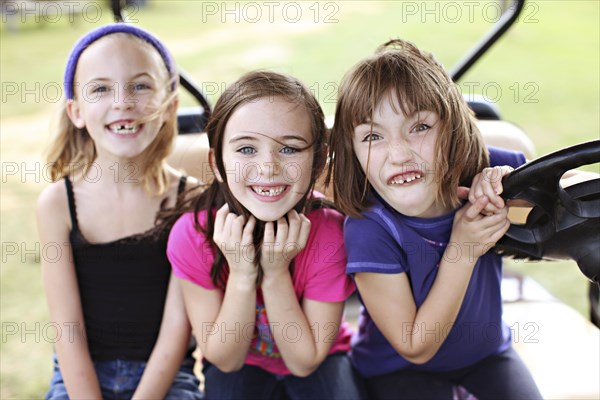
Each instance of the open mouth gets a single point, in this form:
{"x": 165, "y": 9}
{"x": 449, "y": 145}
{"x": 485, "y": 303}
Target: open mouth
{"x": 124, "y": 128}
{"x": 406, "y": 178}
{"x": 271, "y": 191}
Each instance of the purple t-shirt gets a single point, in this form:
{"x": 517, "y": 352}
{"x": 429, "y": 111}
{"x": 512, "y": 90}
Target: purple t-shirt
{"x": 319, "y": 274}
{"x": 385, "y": 241}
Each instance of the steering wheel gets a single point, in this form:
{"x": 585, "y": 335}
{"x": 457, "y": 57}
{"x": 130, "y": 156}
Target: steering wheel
{"x": 564, "y": 223}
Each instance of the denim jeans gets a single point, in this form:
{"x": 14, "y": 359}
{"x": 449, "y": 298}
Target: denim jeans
{"x": 119, "y": 379}
{"x": 334, "y": 379}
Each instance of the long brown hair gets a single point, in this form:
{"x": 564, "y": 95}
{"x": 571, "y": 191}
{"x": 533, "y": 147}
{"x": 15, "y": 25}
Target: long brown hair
{"x": 421, "y": 84}
{"x": 73, "y": 150}
{"x": 251, "y": 87}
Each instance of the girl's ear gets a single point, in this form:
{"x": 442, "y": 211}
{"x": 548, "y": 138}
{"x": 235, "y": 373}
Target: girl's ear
{"x": 213, "y": 165}
{"x": 75, "y": 114}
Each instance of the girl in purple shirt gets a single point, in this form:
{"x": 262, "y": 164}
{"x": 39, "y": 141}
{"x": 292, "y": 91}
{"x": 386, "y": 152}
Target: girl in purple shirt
{"x": 404, "y": 140}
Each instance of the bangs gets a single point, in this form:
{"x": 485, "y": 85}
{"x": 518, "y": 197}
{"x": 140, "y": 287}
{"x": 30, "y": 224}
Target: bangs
{"x": 416, "y": 86}
{"x": 411, "y": 81}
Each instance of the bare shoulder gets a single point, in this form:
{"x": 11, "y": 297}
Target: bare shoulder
{"x": 53, "y": 197}
{"x": 52, "y": 204}
{"x": 193, "y": 186}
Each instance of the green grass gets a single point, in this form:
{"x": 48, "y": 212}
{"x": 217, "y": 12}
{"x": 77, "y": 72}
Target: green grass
{"x": 554, "y": 52}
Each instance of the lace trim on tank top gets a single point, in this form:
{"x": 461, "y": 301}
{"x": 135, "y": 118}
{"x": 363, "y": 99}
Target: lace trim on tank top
{"x": 153, "y": 233}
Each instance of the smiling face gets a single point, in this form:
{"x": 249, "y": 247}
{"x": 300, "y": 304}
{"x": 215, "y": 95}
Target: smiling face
{"x": 268, "y": 156}
{"x": 119, "y": 82}
{"x": 397, "y": 155}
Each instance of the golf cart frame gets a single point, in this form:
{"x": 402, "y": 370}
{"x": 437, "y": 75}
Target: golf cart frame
{"x": 192, "y": 120}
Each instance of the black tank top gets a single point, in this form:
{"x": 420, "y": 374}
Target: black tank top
{"x": 123, "y": 287}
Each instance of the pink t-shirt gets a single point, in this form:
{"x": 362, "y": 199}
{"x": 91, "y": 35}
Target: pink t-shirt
{"x": 319, "y": 274}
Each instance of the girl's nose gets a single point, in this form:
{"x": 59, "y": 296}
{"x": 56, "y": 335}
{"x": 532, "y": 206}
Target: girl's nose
{"x": 399, "y": 152}
{"x": 271, "y": 165}
{"x": 124, "y": 98}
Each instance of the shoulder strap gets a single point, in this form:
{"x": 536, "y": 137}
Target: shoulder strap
{"x": 71, "y": 198}
{"x": 182, "y": 182}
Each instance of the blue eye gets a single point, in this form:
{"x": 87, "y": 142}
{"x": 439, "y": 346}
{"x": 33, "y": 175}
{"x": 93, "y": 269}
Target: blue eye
{"x": 247, "y": 150}
{"x": 100, "y": 89}
{"x": 140, "y": 86}
{"x": 371, "y": 137}
{"x": 421, "y": 128}
{"x": 289, "y": 150}
{"x": 134, "y": 87}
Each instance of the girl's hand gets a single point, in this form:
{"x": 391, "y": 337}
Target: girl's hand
{"x": 489, "y": 183}
{"x": 474, "y": 233}
{"x": 279, "y": 249}
{"x": 233, "y": 236}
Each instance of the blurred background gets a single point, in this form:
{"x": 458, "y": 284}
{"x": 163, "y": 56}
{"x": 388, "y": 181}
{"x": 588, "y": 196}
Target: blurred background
{"x": 543, "y": 75}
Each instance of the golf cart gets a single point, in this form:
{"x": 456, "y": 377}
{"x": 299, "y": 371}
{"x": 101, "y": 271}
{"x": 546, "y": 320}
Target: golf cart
{"x": 561, "y": 223}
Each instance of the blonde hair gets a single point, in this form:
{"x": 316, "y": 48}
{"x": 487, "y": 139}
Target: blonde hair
{"x": 420, "y": 84}
{"x": 73, "y": 150}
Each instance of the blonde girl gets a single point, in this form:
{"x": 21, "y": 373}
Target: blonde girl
{"x": 128, "y": 335}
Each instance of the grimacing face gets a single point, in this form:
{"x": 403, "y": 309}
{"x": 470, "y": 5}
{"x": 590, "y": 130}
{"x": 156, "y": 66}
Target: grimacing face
{"x": 397, "y": 152}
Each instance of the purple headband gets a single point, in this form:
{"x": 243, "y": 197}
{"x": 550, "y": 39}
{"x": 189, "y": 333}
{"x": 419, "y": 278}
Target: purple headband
{"x": 102, "y": 31}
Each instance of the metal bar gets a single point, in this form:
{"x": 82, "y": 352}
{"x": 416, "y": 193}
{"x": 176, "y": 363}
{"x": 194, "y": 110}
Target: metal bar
{"x": 117, "y": 9}
{"x": 505, "y": 22}
{"x": 195, "y": 91}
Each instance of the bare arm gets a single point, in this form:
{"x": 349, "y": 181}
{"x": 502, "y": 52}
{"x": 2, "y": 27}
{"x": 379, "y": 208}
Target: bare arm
{"x": 223, "y": 322}
{"x": 170, "y": 347}
{"x": 62, "y": 293}
{"x": 307, "y": 349}
{"x": 302, "y": 348}
{"x": 417, "y": 334}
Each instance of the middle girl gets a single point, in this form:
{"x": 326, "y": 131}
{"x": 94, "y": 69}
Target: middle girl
{"x": 261, "y": 259}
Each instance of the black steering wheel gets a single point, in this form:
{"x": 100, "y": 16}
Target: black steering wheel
{"x": 564, "y": 223}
